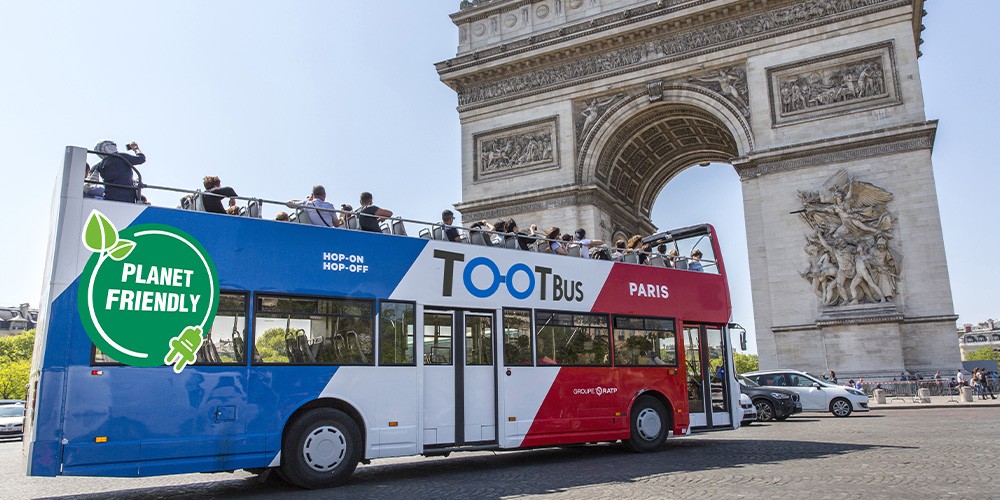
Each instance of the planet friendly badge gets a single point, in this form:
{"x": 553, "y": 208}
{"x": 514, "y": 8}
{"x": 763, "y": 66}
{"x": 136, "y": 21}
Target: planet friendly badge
{"x": 147, "y": 293}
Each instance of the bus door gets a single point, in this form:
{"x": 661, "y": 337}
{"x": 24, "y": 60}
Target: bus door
{"x": 459, "y": 378}
{"x": 708, "y": 390}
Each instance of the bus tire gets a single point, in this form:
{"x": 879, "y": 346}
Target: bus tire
{"x": 321, "y": 449}
{"x": 650, "y": 424}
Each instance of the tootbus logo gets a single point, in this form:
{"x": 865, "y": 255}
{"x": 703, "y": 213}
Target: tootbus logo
{"x": 520, "y": 280}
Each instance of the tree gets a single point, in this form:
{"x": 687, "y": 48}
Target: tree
{"x": 15, "y": 364}
{"x": 17, "y": 347}
{"x": 983, "y": 354}
{"x": 745, "y": 362}
{"x": 271, "y": 346}
{"x": 14, "y": 379}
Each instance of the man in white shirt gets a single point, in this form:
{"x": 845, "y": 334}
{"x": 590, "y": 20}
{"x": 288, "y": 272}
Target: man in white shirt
{"x": 585, "y": 243}
{"x": 327, "y": 217}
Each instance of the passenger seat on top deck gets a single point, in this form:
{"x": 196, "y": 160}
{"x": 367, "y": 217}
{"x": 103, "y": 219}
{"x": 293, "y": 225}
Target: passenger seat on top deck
{"x": 398, "y": 228}
{"x": 302, "y": 217}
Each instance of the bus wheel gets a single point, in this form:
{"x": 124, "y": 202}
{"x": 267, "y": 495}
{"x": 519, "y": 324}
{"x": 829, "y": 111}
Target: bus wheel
{"x": 650, "y": 425}
{"x": 321, "y": 449}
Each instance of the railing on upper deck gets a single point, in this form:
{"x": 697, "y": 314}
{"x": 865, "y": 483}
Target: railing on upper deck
{"x": 683, "y": 241}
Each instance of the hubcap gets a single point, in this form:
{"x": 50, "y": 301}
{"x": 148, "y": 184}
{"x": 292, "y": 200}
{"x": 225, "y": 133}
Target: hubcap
{"x": 840, "y": 408}
{"x": 764, "y": 412}
{"x": 648, "y": 424}
{"x": 325, "y": 448}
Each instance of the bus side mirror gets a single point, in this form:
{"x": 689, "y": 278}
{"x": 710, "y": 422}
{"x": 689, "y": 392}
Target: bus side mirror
{"x": 743, "y": 335}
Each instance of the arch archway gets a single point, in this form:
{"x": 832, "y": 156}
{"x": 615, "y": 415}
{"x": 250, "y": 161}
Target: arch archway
{"x": 637, "y": 147}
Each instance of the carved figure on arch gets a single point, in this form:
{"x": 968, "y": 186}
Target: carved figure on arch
{"x": 849, "y": 256}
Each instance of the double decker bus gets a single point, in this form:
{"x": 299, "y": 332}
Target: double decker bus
{"x": 319, "y": 348}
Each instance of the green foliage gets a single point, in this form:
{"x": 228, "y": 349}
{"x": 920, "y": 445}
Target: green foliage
{"x": 746, "y": 362}
{"x": 983, "y": 354}
{"x": 14, "y": 379}
{"x": 271, "y": 346}
{"x": 17, "y": 347}
{"x": 15, "y": 364}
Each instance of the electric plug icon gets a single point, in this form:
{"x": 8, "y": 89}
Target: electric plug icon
{"x": 183, "y": 348}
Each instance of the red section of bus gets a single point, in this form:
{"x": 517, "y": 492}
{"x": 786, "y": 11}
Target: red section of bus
{"x": 661, "y": 292}
{"x": 588, "y": 404}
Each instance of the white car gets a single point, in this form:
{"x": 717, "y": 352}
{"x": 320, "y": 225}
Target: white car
{"x": 815, "y": 394}
{"x": 749, "y": 410}
{"x": 11, "y": 420}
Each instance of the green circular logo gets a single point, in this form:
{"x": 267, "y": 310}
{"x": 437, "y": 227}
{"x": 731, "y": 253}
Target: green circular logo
{"x": 147, "y": 294}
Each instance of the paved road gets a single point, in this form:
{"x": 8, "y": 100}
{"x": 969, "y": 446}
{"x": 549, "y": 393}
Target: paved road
{"x": 899, "y": 454}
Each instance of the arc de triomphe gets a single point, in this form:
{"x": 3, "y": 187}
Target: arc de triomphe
{"x": 576, "y": 113}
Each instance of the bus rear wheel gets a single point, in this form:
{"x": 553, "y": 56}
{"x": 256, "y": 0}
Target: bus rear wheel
{"x": 321, "y": 449}
{"x": 650, "y": 425}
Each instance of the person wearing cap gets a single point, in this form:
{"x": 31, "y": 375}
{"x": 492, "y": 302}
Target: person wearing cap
{"x": 585, "y": 243}
{"x": 116, "y": 171}
{"x": 695, "y": 263}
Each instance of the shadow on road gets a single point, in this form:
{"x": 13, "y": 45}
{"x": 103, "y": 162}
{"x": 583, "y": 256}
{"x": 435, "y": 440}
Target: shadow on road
{"x": 532, "y": 472}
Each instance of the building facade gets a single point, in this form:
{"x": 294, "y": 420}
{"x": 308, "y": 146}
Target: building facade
{"x": 576, "y": 113}
{"x": 15, "y": 320}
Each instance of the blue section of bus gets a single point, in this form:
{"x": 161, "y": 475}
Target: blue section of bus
{"x": 208, "y": 418}
{"x": 295, "y": 258}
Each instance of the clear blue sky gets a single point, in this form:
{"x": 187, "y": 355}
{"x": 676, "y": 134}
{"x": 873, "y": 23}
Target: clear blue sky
{"x": 277, "y": 96}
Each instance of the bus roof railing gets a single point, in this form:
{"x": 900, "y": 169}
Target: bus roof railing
{"x": 536, "y": 238}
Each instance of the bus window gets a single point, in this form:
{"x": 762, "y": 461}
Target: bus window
{"x": 225, "y": 342}
{"x": 478, "y": 338}
{"x": 517, "y": 337}
{"x": 571, "y": 339}
{"x": 437, "y": 338}
{"x": 645, "y": 342}
{"x": 298, "y": 330}
{"x": 396, "y": 331}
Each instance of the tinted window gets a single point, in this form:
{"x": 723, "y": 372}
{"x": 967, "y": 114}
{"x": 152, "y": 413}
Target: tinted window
{"x": 293, "y": 330}
{"x": 645, "y": 342}
{"x": 397, "y": 327}
{"x": 571, "y": 339}
{"x": 516, "y": 337}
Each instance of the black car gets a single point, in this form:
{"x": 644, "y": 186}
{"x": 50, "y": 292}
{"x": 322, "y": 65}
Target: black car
{"x": 772, "y": 403}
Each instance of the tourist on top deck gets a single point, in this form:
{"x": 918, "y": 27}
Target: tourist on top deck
{"x": 554, "y": 246}
{"x": 450, "y": 232}
{"x": 695, "y": 263}
{"x": 585, "y": 243}
{"x": 116, "y": 168}
{"x": 369, "y": 214}
{"x": 317, "y": 199}
{"x": 213, "y": 200}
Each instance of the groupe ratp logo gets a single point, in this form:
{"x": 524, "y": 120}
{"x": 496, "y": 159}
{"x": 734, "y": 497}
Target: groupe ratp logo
{"x": 147, "y": 293}
{"x": 595, "y": 391}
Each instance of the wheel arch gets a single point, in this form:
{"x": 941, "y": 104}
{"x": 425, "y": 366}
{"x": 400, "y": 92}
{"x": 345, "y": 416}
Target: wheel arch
{"x": 659, "y": 396}
{"x": 334, "y": 403}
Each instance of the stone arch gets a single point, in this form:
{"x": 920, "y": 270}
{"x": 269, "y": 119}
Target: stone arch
{"x": 640, "y": 144}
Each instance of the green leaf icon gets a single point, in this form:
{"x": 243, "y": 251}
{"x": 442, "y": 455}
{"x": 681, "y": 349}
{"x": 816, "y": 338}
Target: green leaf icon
{"x": 99, "y": 233}
{"x": 121, "y": 249}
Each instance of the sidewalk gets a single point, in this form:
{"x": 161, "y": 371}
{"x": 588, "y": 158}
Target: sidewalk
{"x": 907, "y": 403}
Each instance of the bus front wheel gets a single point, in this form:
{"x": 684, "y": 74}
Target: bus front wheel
{"x": 321, "y": 449}
{"x": 650, "y": 425}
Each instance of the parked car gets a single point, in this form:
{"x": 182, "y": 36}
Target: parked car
{"x": 749, "y": 411}
{"x": 771, "y": 403}
{"x": 815, "y": 394}
{"x": 11, "y": 420}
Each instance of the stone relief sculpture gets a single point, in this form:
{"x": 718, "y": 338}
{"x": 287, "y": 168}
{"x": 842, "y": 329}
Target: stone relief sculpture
{"x": 664, "y": 48}
{"x": 592, "y": 111}
{"x": 838, "y": 84}
{"x": 513, "y": 151}
{"x": 849, "y": 259}
{"x": 730, "y": 83}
